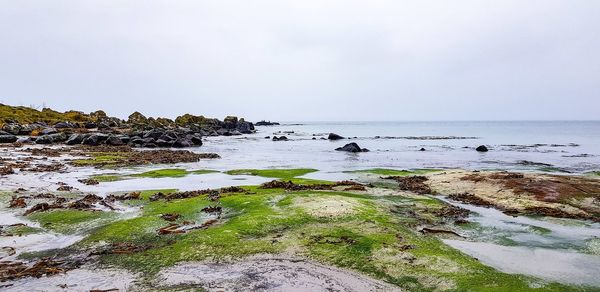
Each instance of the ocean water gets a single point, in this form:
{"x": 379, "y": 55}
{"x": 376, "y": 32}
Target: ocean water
{"x": 557, "y": 146}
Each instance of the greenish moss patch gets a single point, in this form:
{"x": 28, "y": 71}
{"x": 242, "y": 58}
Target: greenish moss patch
{"x": 389, "y": 171}
{"x": 285, "y": 174}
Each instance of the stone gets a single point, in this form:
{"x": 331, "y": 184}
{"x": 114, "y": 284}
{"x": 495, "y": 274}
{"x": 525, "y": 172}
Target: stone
{"x": 352, "y": 147}
{"x": 482, "y": 148}
{"x": 333, "y": 136}
{"x": 8, "y": 138}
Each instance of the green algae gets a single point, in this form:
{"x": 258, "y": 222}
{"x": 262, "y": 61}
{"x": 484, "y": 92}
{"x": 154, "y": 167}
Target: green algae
{"x": 20, "y": 230}
{"x": 159, "y": 173}
{"x": 396, "y": 172}
{"x": 71, "y": 221}
{"x": 284, "y": 174}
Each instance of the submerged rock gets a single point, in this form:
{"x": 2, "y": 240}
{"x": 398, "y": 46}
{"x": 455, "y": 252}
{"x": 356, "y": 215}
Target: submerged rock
{"x": 352, "y": 147}
{"x": 282, "y": 138}
{"x": 482, "y": 148}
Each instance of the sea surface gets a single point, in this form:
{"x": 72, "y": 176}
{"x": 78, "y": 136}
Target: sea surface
{"x": 553, "y": 146}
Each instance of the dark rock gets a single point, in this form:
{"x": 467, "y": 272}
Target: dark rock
{"x": 95, "y": 139}
{"x": 264, "y": 123}
{"x": 48, "y": 131}
{"x": 352, "y": 147}
{"x": 8, "y": 138}
{"x": 230, "y": 122}
{"x": 75, "y": 139}
{"x": 149, "y": 145}
{"x": 482, "y": 148}
{"x": 282, "y": 138}
{"x": 235, "y": 133}
{"x": 333, "y": 136}
{"x": 154, "y": 133}
{"x": 124, "y": 138}
{"x": 114, "y": 141}
{"x": 422, "y": 149}
{"x": 163, "y": 143}
{"x": 90, "y": 125}
{"x": 64, "y": 125}
{"x": 13, "y": 129}
{"x": 46, "y": 139}
{"x": 245, "y": 127}
{"x": 58, "y": 137}
{"x": 182, "y": 143}
{"x": 267, "y": 137}
{"x": 223, "y": 132}
{"x": 314, "y": 138}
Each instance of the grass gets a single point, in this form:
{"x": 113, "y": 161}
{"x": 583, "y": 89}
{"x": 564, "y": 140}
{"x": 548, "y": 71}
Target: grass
{"x": 396, "y": 172}
{"x": 284, "y": 174}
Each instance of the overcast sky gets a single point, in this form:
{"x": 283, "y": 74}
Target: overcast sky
{"x": 305, "y": 60}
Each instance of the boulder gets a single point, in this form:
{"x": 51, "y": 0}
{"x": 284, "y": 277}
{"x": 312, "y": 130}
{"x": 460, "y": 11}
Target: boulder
{"x": 333, "y": 136}
{"x": 114, "y": 140}
{"x": 245, "y": 127}
{"x": 182, "y": 143}
{"x": 75, "y": 139}
{"x": 25, "y": 140}
{"x": 422, "y": 149}
{"x": 154, "y": 133}
{"x": 481, "y": 148}
{"x": 11, "y": 129}
{"x": 46, "y": 139}
{"x": 64, "y": 125}
{"x": 48, "y": 131}
{"x": 230, "y": 122}
{"x": 352, "y": 147}
{"x": 8, "y": 138}
{"x": 163, "y": 143}
{"x": 58, "y": 137}
{"x": 90, "y": 125}
{"x": 95, "y": 139}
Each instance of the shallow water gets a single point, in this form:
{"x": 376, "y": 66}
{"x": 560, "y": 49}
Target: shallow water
{"x": 555, "y": 250}
{"x": 553, "y": 265}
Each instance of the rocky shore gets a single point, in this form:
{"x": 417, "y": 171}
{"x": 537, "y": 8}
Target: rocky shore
{"x": 29, "y": 126}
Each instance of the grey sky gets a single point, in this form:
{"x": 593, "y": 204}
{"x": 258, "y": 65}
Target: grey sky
{"x": 305, "y": 60}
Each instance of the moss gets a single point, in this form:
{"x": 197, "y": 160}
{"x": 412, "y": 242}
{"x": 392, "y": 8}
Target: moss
{"x": 99, "y": 159}
{"x": 285, "y": 174}
{"x": 108, "y": 177}
{"x": 71, "y": 221}
{"x": 20, "y": 230}
{"x": 159, "y": 173}
{"x": 169, "y": 172}
{"x": 28, "y": 115}
{"x": 389, "y": 171}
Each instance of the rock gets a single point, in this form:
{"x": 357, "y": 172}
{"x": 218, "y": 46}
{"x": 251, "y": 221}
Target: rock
{"x": 267, "y": 137}
{"x": 314, "y": 138}
{"x": 230, "y": 122}
{"x": 114, "y": 141}
{"x": 482, "y": 148}
{"x": 75, "y": 139}
{"x": 8, "y": 138}
{"x": 95, "y": 139}
{"x": 182, "y": 143}
{"x": 90, "y": 125}
{"x": 46, "y": 139}
{"x": 352, "y": 147}
{"x": 25, "y": 140}
{"x": 282, "y": 138}
{"x": 422, "y": 149}
{"x": 58, "y": 137}
{"x": 235, "y": 133}
{"x": 48, "y": 131}
{"x": 137, "y": 118}
{"x": 13, "y": 129}
{"x": 163, "y": 143}
{"x": 333, "y": 136}
{"x": 264, "y": 123}
{"x": 64, "y": 125}
{"x": 154, "y": 133}
{"x": 223, "y": 132}
{"x": 245, "y": 127}
{"x": 136, "y": 141}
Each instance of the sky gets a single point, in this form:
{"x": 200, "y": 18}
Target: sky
{"x": 305, "y": 60}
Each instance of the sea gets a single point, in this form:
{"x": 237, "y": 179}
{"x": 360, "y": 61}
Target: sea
{"x": 550, "y": 146}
